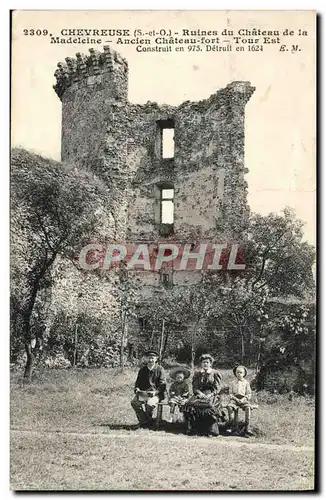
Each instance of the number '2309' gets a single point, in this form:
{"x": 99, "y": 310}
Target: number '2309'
{"x": 36, "y": 32}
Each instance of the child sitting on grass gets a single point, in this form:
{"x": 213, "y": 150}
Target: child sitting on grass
{"x": 240, "y": 391}
{"x": 179, "y": 389}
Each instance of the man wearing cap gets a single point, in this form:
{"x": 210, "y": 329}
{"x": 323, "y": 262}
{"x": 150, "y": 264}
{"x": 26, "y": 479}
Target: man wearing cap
{"x": 150, "y": 388}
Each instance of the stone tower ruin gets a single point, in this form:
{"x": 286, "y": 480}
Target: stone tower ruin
{"x": 202, "y": 182}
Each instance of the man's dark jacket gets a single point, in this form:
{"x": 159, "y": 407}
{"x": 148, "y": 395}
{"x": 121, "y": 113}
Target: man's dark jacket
{"x": 152, "y": 380}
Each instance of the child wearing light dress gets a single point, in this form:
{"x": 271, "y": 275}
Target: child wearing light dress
{"x": 240, "y": 396}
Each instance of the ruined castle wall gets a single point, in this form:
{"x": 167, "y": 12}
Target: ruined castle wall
{"x": 88, "y": 86}
{"x": 75, "y": 291}
{"x": 102, "y": 131}
{"x": 120, "y": 142}
{"x": 84, "y": 117}
{"x": 143, "y": 209}
{"x": 207, "y": 170}
{"x": 210, "y": 188}
{"x": 197, "y": 157}
{"x": 236, "y": 209}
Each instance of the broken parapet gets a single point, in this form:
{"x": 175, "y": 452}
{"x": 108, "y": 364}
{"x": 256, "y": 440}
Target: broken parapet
{"x": 239, "y": 91}
{"x": 93, "y": 71}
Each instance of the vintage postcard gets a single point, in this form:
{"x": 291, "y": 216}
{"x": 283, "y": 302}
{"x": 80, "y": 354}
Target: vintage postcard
{"x": 163, "y": 250}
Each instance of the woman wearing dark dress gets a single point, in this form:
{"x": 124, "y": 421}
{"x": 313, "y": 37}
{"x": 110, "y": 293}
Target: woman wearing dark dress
{"x": 202, "y": 409}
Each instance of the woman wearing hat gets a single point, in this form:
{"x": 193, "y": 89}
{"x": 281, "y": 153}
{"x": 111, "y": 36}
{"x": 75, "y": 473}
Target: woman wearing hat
{"x": 179, "y": 389}
{"x": 201, "y": 411}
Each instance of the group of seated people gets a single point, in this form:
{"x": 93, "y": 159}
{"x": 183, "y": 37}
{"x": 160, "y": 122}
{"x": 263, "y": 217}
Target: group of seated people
{"x": 201, "y": 410}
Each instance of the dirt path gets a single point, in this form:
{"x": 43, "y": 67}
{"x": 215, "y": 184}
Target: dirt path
{"x": 157, "y": 436}
{"x": 103, "y": 459}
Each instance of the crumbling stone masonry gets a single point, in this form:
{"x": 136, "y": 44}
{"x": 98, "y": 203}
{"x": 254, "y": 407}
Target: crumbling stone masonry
{"x": 122, "y": 142}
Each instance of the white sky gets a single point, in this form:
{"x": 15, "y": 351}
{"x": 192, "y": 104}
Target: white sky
{"x": 280, "y": 116}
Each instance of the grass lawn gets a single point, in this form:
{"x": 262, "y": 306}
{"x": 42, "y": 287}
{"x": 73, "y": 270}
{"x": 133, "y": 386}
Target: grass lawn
{"x": 70, "y": 431}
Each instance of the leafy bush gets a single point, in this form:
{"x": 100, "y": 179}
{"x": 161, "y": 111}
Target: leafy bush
{"x": 289, "y": 353}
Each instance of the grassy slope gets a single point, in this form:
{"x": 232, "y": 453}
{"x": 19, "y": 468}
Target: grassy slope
{"x": 98, "y": 402}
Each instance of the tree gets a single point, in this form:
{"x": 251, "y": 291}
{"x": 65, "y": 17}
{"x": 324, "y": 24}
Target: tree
{"x": 278, "y": 263}
{"x": 127, "y": 288}
{"x": 195, "y": 305}
{"x": 243, "y": 311}
{"x": 184, "y": 308}
{"x": 289, "y": 348}
{"x": 160, "y": 315}
{"x": 55, "y": 210}
{"x": 276, "y": 257}
{"x": 96, "y": 346}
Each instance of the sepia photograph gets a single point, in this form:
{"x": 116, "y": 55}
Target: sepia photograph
{"x": 163, "y": 251}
